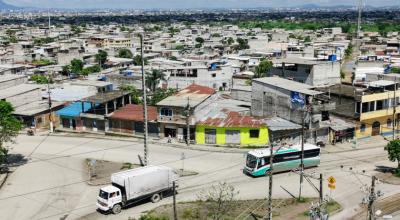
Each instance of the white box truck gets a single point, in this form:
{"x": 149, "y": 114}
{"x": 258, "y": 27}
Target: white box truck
{"x": 134, "y": 185}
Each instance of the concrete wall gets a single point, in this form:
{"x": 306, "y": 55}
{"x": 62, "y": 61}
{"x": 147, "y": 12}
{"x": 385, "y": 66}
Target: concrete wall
{"x": 244, "y": 135}
{"x": 316, "y": 75}
{"x": 241, "y": 95}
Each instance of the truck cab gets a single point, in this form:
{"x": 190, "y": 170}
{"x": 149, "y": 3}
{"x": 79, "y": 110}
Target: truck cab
{"x": 109, "y": 198}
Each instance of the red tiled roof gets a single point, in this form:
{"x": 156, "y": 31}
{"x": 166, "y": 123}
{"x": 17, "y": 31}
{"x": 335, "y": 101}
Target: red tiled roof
{"x": 196, "y": 89}
{"x": 134, "y": 113}
{"x": 233, "y": 119}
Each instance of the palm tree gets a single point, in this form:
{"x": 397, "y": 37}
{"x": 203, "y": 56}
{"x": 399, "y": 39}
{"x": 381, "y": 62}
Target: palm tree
{"x": 153, "y": 78}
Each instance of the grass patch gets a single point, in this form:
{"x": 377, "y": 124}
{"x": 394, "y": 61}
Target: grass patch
{"x": 283, "y": 209}
{"x": 303, "y": 200}
{"x": 332, "y": 206}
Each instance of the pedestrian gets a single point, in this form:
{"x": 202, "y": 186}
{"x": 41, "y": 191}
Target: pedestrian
{"x": 169, "y": 138}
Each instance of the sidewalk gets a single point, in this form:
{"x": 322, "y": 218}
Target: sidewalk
{"x": 362, "y": 144}
{"x": 208, "y": 148}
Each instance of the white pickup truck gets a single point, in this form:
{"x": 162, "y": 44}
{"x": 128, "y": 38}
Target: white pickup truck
{"x": 134, "y": 185}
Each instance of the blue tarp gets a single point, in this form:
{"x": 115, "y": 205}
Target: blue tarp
{"x": 297, "y": 99}
{"x": 74, "y": 109}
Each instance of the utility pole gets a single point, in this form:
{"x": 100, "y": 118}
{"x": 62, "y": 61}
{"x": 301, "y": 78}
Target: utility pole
{"x": 321, "y": 196}
{"x": 394, "y": 111}
{"x": 360, "y": 5}
{"x": 48, "y": 14}
{"x": 174, "y": 201}
{"x": 188, "y": 123}
{"x": 372, "y": 198}
{"x": 271, "y": 167}
{"x": 144, "y": 102}
{"x": 51, "y": 126}
{"x": 302, "y": 154}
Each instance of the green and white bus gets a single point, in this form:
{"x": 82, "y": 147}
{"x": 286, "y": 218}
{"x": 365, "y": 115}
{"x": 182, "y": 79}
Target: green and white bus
{"x": 285, "y": 159}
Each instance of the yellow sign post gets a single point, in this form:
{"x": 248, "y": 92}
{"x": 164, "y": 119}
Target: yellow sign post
{"x": 331, "y": 184}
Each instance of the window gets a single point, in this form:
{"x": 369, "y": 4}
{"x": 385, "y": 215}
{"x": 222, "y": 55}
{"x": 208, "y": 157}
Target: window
{"x": 389, "y": 123}
{"x": 166, "y": 112}
{"x": 379, "y": 105}
{"x": 362, "y": 128}
{"x": 254, "y": 133}
{"x": 213, "y": 75}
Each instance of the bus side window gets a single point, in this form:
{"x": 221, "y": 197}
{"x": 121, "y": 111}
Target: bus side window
{"x": 262, "y": 162}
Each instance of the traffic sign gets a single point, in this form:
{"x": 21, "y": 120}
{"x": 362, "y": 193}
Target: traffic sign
{"x": 331, "y": 180}
{"x": 331, "y": 186}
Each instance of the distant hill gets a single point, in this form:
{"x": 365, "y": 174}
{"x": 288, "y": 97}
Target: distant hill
{"x": 5, "y": 6}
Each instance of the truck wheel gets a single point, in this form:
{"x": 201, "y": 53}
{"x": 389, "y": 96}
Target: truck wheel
{"x": 155, "y": 198}
{"x": 116, "y": 209}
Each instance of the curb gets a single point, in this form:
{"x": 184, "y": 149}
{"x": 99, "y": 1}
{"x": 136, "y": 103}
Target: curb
{"x": 3, "y": 179}
{"x": 138, "y": 140}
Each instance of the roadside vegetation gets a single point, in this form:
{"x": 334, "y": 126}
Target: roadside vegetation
{"x": 393, "y": 149}
{"x": 9, "y": 128}
{"x": 219, "y": 203}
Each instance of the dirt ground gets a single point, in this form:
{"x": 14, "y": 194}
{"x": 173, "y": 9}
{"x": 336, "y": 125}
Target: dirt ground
{"x": 100, "y": 170}
{"x": 244, "y": 209}
{"x": 389, "y": 178}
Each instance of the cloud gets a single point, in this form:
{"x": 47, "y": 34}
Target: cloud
{"x": 178, "y": 4}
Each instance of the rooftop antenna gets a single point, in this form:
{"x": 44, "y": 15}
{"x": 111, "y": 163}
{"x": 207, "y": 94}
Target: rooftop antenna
{"x": 360, "y": 6}
{"x": 48, "y": 14}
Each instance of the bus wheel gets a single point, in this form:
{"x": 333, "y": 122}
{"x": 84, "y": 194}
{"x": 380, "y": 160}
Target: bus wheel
{"x": 116, "y": 209}
{"x": 155, "y": 198}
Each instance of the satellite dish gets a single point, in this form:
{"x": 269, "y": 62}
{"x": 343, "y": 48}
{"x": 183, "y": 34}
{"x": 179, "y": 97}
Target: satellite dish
{"x": 378, "y": 213}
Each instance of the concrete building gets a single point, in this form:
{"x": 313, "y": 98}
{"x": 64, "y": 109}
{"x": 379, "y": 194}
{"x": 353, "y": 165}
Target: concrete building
{"x": 128, "y": 120}
{"x": 173, "y": 111}
{"x": 311, "y": 72}
{"x": 293, "y": 101}
{"x": 370, "y": 105}
{"x": 218, "y": 77}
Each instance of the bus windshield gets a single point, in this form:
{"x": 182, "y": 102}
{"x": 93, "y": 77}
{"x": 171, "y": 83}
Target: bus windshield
{"x": 251, "y": 161}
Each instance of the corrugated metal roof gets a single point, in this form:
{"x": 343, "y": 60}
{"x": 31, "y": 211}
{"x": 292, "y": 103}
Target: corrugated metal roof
{"x": 134, "y": 113}
{"x": 279, "y": 124}
{"x": 233, "y": 119}
{"x": 74, "y": 109}
{"x": 17, "y": 90}
{"x": 194, "y": 94}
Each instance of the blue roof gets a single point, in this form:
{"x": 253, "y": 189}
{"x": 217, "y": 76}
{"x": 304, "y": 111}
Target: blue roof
{"x": 74, "y": 109}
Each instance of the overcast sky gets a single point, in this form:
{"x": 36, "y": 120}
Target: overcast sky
{"x": 179, "y": 4}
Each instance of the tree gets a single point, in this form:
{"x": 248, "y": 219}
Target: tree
{"x": 230, "y": 41}
{"x": 243, "y": 44}
{"x": 137, "y": 60}
{"x": 101, "y": 57}
{"x": 263, "y": 68}
{"x": 307, "y": 39}
{"x": 134, "y": 93}
{"x": 393, "y": 149}
{"x": 9, "y": 128}
{"x": 218, "y": 200}
{"x": 153, "y": 79}
{"x": 349, "y": 51}
{"x": 66, "y": 70}
{"x": 40, "y": 79}
{"x": 179, "y": 47}
{"x": 76, "y": 66}
{"x": 125, "y": 53}
{"x": 199, "y": 40}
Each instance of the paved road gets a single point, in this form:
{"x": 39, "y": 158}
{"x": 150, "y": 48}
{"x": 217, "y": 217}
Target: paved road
{"x": 52, "y": 183}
